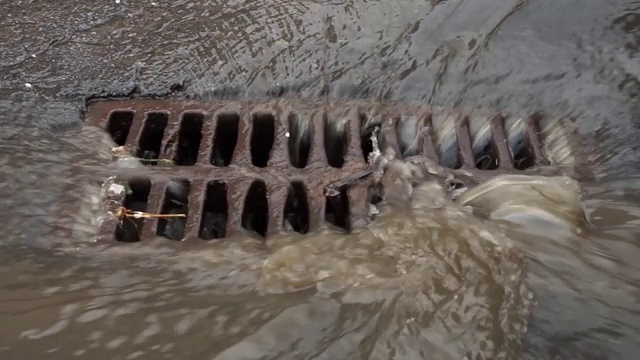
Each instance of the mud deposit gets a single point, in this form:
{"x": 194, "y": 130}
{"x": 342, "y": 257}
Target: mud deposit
{"x": 430, "y": 280}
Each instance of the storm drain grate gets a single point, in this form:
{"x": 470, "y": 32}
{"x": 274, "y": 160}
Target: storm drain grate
{"x": 284, "y": 165}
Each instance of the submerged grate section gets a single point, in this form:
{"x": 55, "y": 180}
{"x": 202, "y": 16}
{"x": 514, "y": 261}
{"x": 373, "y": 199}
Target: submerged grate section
{"x": 287, "y": 166}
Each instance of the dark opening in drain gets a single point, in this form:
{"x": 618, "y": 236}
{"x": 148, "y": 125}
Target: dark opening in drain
{"x": 487, "y": 159}
{"x": 189, "y": 138}
{"x": 336, "y": 140}
{"x": 450, "y": 154}
{"x": 299, "y": 140}
{"x": 151, "y": 137}
{"x": 376, "y": 196}
{"x": 262, "y": 139}
{"x": 376, "y": 193}
{"x": 337, "y": 210}
{"x": 408, "y": 131}
{"x": 128, "y": 230}
{"x": 296, "y": 210}
{"x": 215, "y": 211}
{"x": 524, "y": 157}
{"x": 118, "y": 126}
{"x": 367, "y": 128}
{"x": 225, "y": 139}
{"x": 255, "y": 213}
{"x": 176, "y": 201}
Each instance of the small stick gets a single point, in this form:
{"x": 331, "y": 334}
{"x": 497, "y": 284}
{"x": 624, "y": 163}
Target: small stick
{"x": 123, "y": 213}
{"x": 155, "y": 160}
{"x": 333, "y": 189}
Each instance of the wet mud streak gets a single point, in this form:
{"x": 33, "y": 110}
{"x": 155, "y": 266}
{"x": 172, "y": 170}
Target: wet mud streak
{"x": 494, "y": 30}
{"x": 330, "y": 36}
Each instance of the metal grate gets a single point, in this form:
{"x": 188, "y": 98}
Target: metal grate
{"x": 284, "y": 165}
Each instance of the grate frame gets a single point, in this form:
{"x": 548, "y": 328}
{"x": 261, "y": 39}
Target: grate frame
{"x": 345, "y": 189}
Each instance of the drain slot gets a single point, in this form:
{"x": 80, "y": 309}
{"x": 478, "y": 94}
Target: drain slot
{"x": 189, "y": 139}
{"x": 367, "y": 127}
{"x": 225, "y": 139}
{"x": 487, "y": 159}
{"x": 450, "y": 158}
{"x": 119, "y": 125}
{"x": 176, "y": 201}
{"x": 296, "y": 210}
{"x": 337, "y": 210}
{"x": 375, "y": 194}
{"x": 524, "y": 157}
{"x": 150, "y": 140}
{"x": 299, "y": 141}
{"x": 336, "y": 140}
{"x": 215, "y": 211}
{"x": 408, "y": 131}
{"x": 129, "y": 229}
{"x": 521, "y": 148}
{"x": 449, "y": 153}
{"x": 255, "y": 213}
{"x": 262, "y": 139}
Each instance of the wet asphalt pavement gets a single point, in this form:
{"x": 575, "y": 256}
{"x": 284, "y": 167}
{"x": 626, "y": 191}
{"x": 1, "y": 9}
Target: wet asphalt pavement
{"x": 513, "y": 55}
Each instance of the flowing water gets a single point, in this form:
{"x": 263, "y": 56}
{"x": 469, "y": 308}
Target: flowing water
{"x": 428, "y": 280}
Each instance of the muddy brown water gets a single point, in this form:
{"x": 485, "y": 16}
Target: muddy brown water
{"x": 572, "y": 58}
{"x": 429, "y": 283}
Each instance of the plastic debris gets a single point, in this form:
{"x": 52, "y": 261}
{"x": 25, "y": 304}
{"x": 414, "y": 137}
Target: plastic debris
{"x": 120, "y": 151}
{"x": 116, "y": 189}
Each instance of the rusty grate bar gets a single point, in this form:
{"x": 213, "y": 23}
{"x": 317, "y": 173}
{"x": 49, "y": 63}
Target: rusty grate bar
{"x": 284, "y": 165}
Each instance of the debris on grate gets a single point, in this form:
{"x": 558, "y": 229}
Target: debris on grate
{"x": 282, "y": 165}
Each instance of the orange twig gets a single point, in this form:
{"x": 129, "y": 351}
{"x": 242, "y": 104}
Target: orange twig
{"x": 123, "y": 213}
